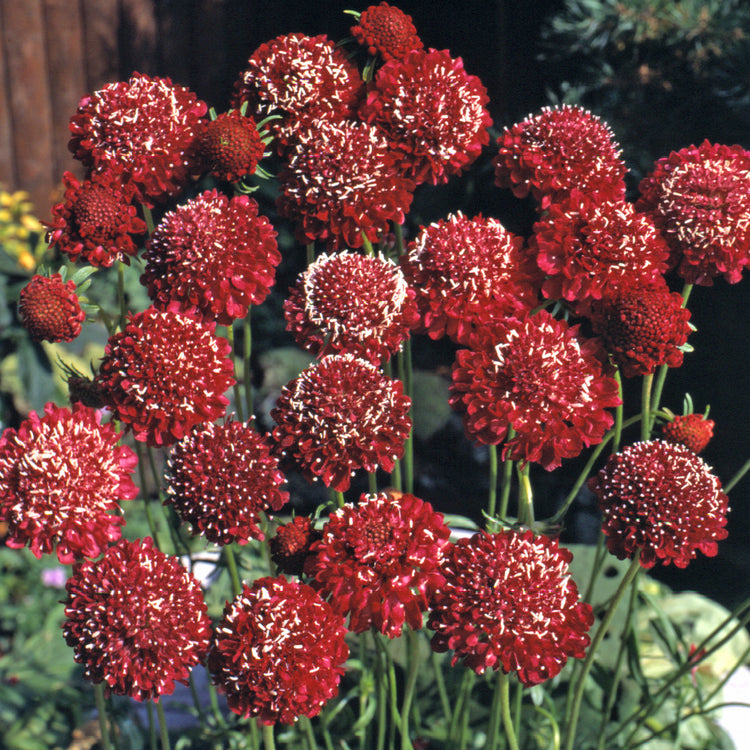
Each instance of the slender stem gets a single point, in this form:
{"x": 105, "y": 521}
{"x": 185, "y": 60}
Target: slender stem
{"x": 372, "y": 483}
{"x": 648, "y": 381}
{"x": 627, "y": 579}
{"x": 506, "y": 481}
{"x": 232, "y": 566}
{"x": 411, "y": 681}
{"x": 268, "y": 740}
{"x": 163, "y": 730}
{"x": 121, "y": 295}
{"x": 153, "y": 739}
{"x": 504, "y": 691}
{"x": 340, "y": 501}
{"x": 618, "y": 415}
{"x": 247, "y": 373}
{"x": 381, "y": 681}
{"x": 102, "y": 714}
{"x": 525, "y": 498}
{"x": 461, "y": 711}
{"x": 236, "y": 386}
{"x": 145, "y": 495}
{"x": 492, "y": 496}
{"x": 148, "y": 217}
{"x": 310, "y": 253}
{"x": 736, "y": 478}
{"x": 405, "y": 374}
{"x": 307, "y": 728}
{"x": 398, "y": 231}
{"x": 437, "y": 668}
{"x": 367, "y": 245}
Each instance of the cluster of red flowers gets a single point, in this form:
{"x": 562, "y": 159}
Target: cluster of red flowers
{"x": 353, "y": 149}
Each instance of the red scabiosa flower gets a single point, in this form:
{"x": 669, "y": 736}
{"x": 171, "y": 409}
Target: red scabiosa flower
{"x": 340, "y": 415}
{"x": 467, "y": 273}
{"x": 559, "y": 149}
{"x": 62, "y": 476}
{"x": 351, "y": 303}
{"x": 278, "y": 652}
{"x": 660, "y": 498}
{"x": 508, "y": 602}
{"x": 537, "y": 375}
{"x": 291, "y": 544}
{"x": 49, "y": 309}
{"x": 212, "y": 253}
{"x": 300, "y": 78}
{"x": 164, "y": 373}
{"x": 136, "y": 620}
{"x": 699, "y": 197}
{"x": 642, "y": 328}
{"x": 341, "y": 182}
{"x": 97, "y": 222}
{"x": 220, "y": 478}
{"x": 230, "y": 146}
{"x": 590, "y": 246}
{"x": 433, "y": 112}
{"x": 386, "y": 31}
{"x": 377, "y": 560}
{"x": 148, "y": 126}
{"x": 693, "y": 431}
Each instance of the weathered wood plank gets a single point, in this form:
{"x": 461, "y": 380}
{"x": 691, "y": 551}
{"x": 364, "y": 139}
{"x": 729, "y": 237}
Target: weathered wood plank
{"x": 101, "y": 21}
{"x": 8, "y": 175}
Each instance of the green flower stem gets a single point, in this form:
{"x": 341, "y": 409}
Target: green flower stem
{"x": 617, "y": 672}
{"x": 405, "y": 375}
{"x": 163, "y": 730}
{"x": 310, "y": 253}
{"x": 575, "y": 709}
{"x": 648, "y": 381}
{"x": 492, "y": 496}
{"x": 618, "y": 414}
{"x": 372, "y": 482}
{"x": 232, "y": 567}
{"x": 586, "y": 471}
{"x": 500, "y": 713}
{"x": 153, "y": 739}
{"x": 307, "y": 728}
{"x": 367, "y": 245}
{"x": 736, "y": 478}
{"x": 148, "y": 217}
{"x": 398, "y": 231}
{"x": 268, "y": 740}
{"x": 236, "y": 386}
{"x": 440, "y": 683}
{"x": 247, "y": 373}
{"x": 144, "y": 494}
{"x": 662, "y": 376}
{"x": 102, "y": 714}
{"x": 461, "y": 712}
{"x": 381, "y": 681}
{"x": 339, "y": 496}
{"x": 412, "y": 639}
{"x": 121, "y": 295}
{"x": 506, "y": 480}
{"x": 525, "y": 497}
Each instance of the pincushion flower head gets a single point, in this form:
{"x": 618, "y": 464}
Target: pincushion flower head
{"x": 49, "y": 309}
{"x": 97, "y": 222}
{"x": 342, "y": 181}
{"x": 353, "y": 303}
{"x": 386, "y": 31}
{"x": 536, "y": 375}
{"x": 377, "y": 560}
{"x": 643, "y": 328}
{"x": 340, "y": 415}
{"x": 146, "y": 125}
{"x": 220, "y": 478}
{"x": 508, "y": 602}
{"x": 467, "y": 273}
{"x": 230, "y": 146}
{"x": 589, "y": 246}
{"x": 292, "y": 543}
{"x": 694, "y": 431}
{"x": 164, "y": 373}
{"x": 212, "y": 253}
{"x": 62, "y": 477}
{"x": 433, "y": 112}
{"x": 557, "y": 150}
{"x": 700, "y": 200}
{"x": 300, "y": 78}
{"x": 660, "y": 498}
{"x": 278, "y": 652}
{"x": 136, "y": 620}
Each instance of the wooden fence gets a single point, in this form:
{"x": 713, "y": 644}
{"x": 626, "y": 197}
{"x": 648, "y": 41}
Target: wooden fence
{"x": 53, "y": 52}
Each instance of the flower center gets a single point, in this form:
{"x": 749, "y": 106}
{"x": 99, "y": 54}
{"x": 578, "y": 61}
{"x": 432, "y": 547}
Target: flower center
{"x": 96, "y": 210}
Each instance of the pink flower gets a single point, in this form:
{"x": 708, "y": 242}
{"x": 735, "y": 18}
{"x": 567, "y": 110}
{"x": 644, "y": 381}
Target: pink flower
{"x": 148, "y": 126}
{"x": 700, "y": 200}
{"x": 558, "y": 150}
{"x": 433, "y": 112}
{"x": 377, "y": 560}
{"x": 386, "y": 31}
{"x": 136, "y": 620}
{"x": 351, "y": 303}
{"x": 62, "y": 477}
{"x": 220, "y": 478}
{"x": 214, "y": 254}
{"x": 278, "y": 652}
{"x": 164, "y": 373}
{"x": 339, "y": 415}
{"x": 660, "y": 498}
{"x": 508, "y": 602}
{"x": 534, "y": 374}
